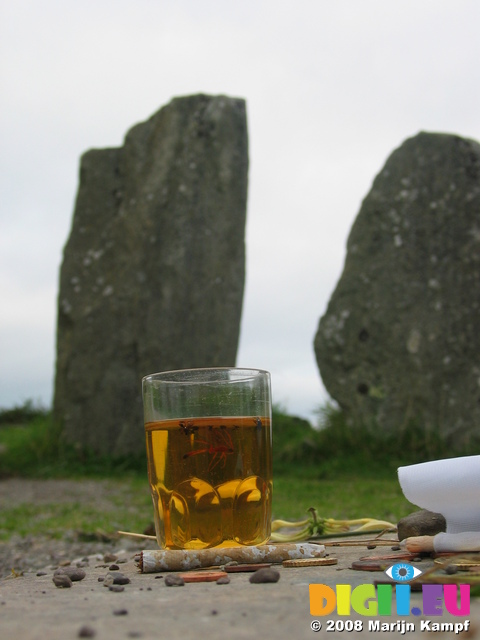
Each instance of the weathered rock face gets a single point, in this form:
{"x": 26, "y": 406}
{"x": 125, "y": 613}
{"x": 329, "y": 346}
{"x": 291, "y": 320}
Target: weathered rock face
{"x": 153, "y": 271}
{"x": 401, "y": 335}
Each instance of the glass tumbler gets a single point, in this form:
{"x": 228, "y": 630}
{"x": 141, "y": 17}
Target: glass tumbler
{"x": 209, "y": 453}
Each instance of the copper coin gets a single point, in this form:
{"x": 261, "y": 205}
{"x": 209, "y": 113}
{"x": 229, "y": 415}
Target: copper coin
{"x": 203, "y": 576}
{"x": 241, "y": 568}
{"x": 310, "y": 562}
{"x": 370, "y": 565}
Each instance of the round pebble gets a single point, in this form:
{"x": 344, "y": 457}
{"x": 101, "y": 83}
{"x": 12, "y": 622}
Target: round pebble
{"x": 114, "y": 567}
{"x": 223, "y": 580}
{"x": 110, "y": 557}
{"x": 173, "y": 580}
{"x": 87, "y": 632}
{"x": 115, "y": 578}
{"x": 120, "y": 612}
{"x": 265, "y": 575}
{"x": 116, "y": 587}
{"x": 62, "y": 581}
{"x": 451, "y": 569}
{"x": 74, "y": 573}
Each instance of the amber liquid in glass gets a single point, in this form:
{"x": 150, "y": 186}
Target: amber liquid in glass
{"x": 211, "y": 481}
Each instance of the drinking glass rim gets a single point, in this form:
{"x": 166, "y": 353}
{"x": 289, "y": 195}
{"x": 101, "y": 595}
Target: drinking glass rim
{"x": 254, "y": 373}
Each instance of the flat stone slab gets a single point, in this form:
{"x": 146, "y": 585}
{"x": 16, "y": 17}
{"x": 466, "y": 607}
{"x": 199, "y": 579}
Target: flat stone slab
{"x": 32, "y": 608}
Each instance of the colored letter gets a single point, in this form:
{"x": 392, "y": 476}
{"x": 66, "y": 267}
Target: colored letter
{"x": 343, "y": 599}
{"x": 322, "y": 599}
{"x": 402, "y": 593}
{"x": 363, "y": 600}
{"x": 384, "y": 597}
{"x": 450, "y": 595}
{"x": 432, "y": 599}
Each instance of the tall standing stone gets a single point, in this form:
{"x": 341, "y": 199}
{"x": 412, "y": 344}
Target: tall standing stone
{"x": 153, "y": 271}
{"x": 401, "y": 335}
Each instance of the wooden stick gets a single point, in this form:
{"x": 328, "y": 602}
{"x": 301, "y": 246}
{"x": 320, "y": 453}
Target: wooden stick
{"x": 360, "y": 543}
{"x": 136, "y": 535}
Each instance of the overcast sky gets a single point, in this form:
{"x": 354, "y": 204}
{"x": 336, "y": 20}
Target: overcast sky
{"x": 332, "y": 88}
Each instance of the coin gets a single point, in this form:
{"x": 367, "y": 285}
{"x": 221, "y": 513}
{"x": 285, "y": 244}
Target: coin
{"x": 203, "y": 576}
{"x": 310, "y": 562}
{"x": 243, "y": 568}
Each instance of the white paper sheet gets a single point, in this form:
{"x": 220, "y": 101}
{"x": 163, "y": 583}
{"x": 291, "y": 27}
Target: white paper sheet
{"x": 450, "y": 487}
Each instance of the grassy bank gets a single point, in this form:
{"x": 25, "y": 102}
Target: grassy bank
{"x": 342, "y": 472}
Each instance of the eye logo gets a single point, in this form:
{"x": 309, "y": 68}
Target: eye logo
{"x": 402, "y": 572}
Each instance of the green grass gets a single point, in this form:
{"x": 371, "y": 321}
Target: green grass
{"x": 343, "y": 472}
{"x": 126, "y": 505}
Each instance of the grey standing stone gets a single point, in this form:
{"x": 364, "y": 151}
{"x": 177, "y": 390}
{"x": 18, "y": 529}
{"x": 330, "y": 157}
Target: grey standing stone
{"x": 153, "y": 271}
{"x": 401, "y": 335}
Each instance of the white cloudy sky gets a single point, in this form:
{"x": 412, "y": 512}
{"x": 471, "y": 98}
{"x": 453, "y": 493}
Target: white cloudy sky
{"x": 332, "y": 87}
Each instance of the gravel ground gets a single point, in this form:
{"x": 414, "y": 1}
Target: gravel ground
{"x": 35, "y": 552}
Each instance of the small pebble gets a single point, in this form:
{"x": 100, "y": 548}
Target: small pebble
{"x": 74, "y": 573}
{"x": 64, "y": 563}
{"x": 87, "y": 632}
{"x": 41, "y": 573}
{"x": 62, "y": 581}
{"x": 114, "y": 567}
{"x": 110, "y": 557}
{"x": 396, "y": 547}
{"x": 214, "y": 612}
{"x": 101, "y": 578}
{"x": 120, "y": 612}
{"x": 371, "y": 546}
{"x": 265, "y": 575}
{"x": 115, "y": 578}
{"x": 108, "y": 580}
{"x": 451, "y": 569}
{"x": 223, "y": 580}
{"x": 173, "y": 580}
{"x": 116, "y": 587}
{"x": 158, "y": 577}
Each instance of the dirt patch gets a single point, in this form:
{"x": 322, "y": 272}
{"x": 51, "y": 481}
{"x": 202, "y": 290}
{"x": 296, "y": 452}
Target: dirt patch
{"x": 16, "y": 491}
{"x": 22, "y": 553}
